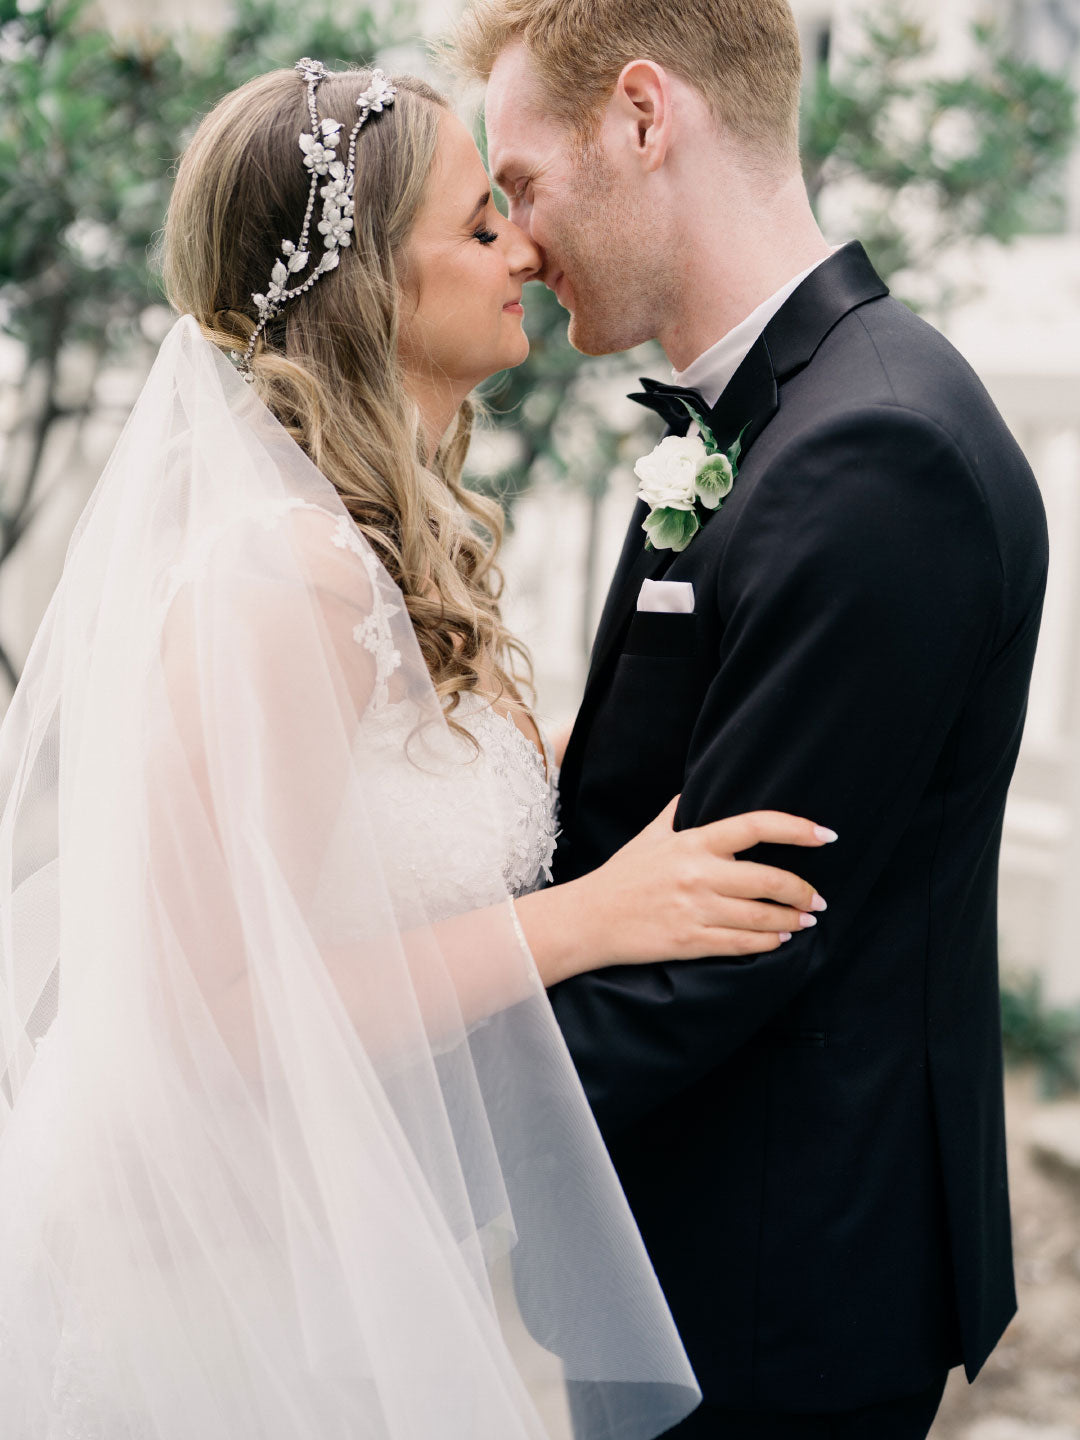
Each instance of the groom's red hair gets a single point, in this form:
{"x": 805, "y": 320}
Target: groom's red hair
{"x": 742, "y": 55}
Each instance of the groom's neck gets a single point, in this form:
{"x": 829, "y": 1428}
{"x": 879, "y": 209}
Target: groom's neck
{"x": 744, "y": 242}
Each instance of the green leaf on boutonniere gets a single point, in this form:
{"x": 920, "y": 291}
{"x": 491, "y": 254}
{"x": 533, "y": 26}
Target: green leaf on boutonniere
{"x": 670, "y": 529}
{"x": 736, "y": 449}
{"x": 706, "y": 434}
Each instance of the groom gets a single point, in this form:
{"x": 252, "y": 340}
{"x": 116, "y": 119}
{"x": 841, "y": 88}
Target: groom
{"x": 812, "y": 1141}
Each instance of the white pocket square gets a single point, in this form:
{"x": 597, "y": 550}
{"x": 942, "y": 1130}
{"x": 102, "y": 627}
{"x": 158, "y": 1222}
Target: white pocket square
{"x": 666, "y": 597}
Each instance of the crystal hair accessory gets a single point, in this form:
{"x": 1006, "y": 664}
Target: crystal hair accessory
{"x": 320, "y": 150}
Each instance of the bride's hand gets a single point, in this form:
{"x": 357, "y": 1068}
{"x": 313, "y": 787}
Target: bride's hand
{"x": 676, "y": 895}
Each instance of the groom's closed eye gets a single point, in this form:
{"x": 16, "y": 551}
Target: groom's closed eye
{"x": 513, "y": 185}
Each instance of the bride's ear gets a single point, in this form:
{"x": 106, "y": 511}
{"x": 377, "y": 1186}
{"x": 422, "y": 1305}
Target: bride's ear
{"x": 642, "y": 110}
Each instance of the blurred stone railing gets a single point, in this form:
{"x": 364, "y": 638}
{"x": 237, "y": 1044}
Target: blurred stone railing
{"x": 1040, "y": 884}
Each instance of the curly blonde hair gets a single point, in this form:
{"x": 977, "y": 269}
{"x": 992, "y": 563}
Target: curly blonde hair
{"x": 329, "y": 368}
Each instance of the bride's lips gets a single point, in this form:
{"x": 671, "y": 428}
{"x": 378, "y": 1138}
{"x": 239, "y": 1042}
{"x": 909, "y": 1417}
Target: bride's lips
{"x": 514, "y": 307}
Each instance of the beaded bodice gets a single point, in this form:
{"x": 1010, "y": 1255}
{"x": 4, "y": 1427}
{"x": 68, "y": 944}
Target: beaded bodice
{"x": 507, "y": 779}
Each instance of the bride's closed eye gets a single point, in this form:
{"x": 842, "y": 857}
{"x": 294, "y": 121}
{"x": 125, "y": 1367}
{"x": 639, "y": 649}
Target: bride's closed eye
{"x": 486, "y": 237}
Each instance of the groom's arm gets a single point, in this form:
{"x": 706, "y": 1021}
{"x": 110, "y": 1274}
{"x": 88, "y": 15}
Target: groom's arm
{"x": 860, "y": 591}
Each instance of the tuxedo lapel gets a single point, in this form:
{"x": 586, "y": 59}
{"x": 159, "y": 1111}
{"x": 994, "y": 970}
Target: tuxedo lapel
{"x": 636, "y": 564}
{"x": 839, "y": 285}
{"x": 750, "y": 401}
{"x": 746, "y": 407}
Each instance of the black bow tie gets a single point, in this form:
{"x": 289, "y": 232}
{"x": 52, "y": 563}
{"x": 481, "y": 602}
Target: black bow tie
{"x": 667, "y": 401}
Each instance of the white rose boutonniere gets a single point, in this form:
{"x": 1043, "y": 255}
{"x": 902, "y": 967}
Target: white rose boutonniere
{"x": 682, "y": 473}
{"x": 668, "y": 486}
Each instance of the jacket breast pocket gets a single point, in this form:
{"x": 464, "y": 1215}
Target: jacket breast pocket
{"x": 662, "y": 636}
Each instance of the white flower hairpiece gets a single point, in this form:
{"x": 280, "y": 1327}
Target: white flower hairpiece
{"x": 335, "y": 224}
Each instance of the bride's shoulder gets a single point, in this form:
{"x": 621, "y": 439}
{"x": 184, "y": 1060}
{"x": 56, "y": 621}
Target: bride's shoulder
{"x": 327, "y": 550}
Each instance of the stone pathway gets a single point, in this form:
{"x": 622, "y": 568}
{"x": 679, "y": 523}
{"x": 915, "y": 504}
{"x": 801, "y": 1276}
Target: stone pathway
{"x": 1030, "y": 1387}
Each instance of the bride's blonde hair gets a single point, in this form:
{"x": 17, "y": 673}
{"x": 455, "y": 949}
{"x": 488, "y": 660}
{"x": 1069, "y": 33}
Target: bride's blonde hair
{"x": 328, "y": 368}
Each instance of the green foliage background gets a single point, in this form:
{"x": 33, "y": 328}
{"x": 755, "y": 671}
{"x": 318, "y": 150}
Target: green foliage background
{"x": 884, "y": 118}
{"x": 1042, "y": 1035}
{"x": 91, "y": 125}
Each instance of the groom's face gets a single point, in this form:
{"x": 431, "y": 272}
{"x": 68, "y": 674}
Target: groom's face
{"x": 602, "y": 254}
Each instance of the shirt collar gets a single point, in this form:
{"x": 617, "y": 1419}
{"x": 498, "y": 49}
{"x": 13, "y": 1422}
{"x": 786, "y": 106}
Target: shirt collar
{"x": 710, "y": 373}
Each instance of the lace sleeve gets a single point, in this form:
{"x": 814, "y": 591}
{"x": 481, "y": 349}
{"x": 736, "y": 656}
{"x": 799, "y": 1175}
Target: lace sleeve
{"x": 310, "y": 641}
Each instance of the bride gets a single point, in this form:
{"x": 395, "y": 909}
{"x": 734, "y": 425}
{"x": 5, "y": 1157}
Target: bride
{"x": 282, "y": 1101}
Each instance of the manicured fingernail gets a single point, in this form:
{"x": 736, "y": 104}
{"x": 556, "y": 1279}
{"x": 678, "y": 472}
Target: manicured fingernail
{"x": 828, "y": 836}
{"x": 786, "y": 936}
{"x": 819, "y": 904}
{"x": 807, "y": 920}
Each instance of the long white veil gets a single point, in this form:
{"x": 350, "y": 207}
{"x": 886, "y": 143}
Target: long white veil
{"x": 268, "y": 1124}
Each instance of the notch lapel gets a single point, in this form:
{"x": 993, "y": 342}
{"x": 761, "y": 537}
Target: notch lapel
{"x": 752, "y": 398}
{"x": 748, "y": 404}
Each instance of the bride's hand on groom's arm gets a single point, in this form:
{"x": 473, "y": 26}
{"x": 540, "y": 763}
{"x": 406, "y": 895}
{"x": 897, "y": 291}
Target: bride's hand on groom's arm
{"x": 675, "y": 895}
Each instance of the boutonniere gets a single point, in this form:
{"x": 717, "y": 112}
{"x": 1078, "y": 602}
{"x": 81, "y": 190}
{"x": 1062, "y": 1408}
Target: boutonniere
{"x": 682, "y": 476}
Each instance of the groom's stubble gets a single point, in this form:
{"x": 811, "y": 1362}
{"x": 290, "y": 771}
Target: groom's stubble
{"x": 616, "y": 254}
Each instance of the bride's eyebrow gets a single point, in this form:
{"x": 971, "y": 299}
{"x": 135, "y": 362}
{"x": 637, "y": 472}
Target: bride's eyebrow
{"x": 480, "y": 205}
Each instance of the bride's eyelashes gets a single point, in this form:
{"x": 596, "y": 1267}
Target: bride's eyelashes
{"x": 486, "y": 237}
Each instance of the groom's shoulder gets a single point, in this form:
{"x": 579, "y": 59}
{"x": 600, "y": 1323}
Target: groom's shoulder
{"x": 888, "y": 418}
{"x": 884, "y": 357}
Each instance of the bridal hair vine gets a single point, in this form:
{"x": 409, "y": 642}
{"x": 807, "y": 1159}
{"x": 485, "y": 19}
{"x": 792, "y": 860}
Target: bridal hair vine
{"x": 320, "y": 149}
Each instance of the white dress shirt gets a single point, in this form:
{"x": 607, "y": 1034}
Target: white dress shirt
{"x": 710, "y": 373}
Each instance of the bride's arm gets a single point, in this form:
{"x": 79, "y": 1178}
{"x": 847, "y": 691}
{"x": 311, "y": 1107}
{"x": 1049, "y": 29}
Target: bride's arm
{"x": 675, "y": 895}
{"x": 270, "y": 785}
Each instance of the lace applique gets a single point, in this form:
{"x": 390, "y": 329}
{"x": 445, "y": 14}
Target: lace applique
{"x": 522, "y": 774}
{"x": 507, "y": 773}
{"x": 347, "y": 537}
{"x": 273, "y": 513}
{"x": 193, "y": 565}
{"x": 77, "y": 1408}
{"x": 374, "y": 632}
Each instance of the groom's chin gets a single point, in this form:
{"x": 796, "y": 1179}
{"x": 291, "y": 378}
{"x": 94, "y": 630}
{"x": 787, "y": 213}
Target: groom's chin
{"x": 590, "y": 339}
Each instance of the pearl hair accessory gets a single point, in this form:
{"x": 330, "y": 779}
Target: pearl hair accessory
{"x": 336, "y": 219}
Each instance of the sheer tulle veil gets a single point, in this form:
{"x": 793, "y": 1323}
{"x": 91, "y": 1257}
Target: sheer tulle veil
{"x": 269, "y": 1125}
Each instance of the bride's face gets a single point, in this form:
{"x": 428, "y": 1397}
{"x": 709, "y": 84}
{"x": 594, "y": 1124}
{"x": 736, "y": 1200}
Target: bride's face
{"x": 465, "y": 268}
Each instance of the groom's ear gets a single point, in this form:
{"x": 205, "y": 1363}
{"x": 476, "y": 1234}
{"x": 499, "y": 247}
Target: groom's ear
{"x": 641, "y": 111}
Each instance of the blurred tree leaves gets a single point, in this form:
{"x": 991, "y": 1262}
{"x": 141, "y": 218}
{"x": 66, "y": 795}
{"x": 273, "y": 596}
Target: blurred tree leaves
{"x": 1037, "y": 1033}
{"x": 91, "y": 125}
{"x": 90, "y": 128}
{"x": 935, "y": 160}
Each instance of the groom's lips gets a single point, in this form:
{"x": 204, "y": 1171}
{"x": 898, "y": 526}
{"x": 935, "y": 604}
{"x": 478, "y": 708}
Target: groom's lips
{"x": 553, "y": 285}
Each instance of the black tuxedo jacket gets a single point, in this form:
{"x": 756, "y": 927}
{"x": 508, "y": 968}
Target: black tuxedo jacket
{"x": 813, "y": 1141}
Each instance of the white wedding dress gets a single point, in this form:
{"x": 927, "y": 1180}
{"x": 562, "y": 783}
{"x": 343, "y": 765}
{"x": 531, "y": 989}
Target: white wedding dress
{"x": 291, "y": 1147}
{"x": 507, "y": 767}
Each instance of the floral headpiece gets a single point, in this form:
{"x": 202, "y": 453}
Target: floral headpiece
{"x": 336, "y": 220}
